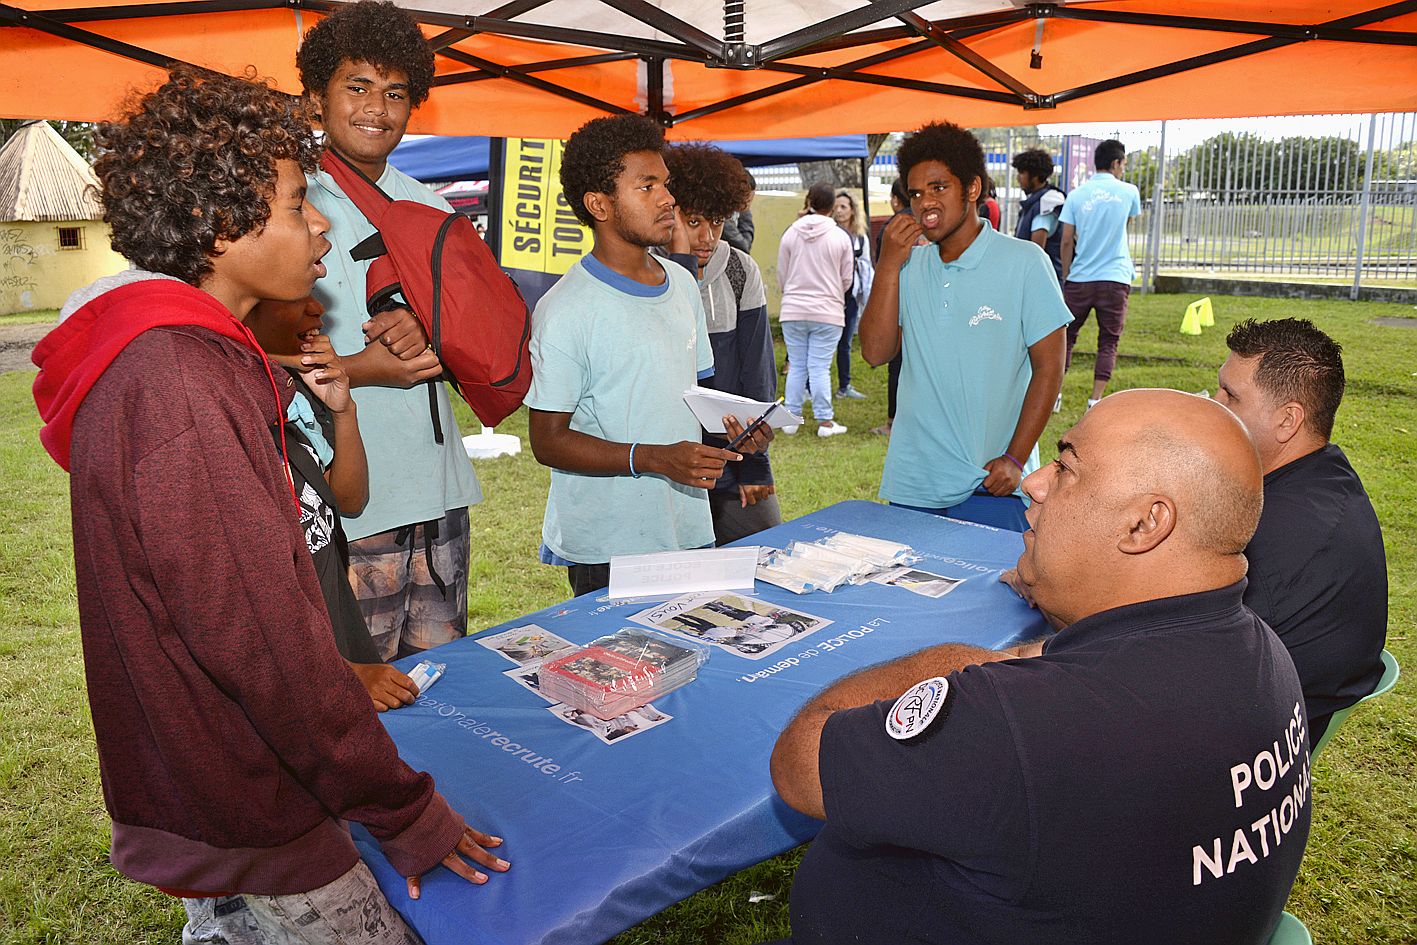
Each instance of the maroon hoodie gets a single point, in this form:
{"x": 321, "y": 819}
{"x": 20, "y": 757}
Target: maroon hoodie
{"x": 232, "y": 738}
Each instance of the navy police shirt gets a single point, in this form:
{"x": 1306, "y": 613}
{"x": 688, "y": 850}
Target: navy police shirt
{"x": 1318, "y": 576}
{"x": 1145, "y": 780}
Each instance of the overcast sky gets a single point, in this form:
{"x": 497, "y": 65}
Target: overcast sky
{"x": 1189, "y": 132}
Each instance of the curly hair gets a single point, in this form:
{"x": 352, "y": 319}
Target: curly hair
{"x": 1036, "y": 162}
{"x": 949, "y": 144}
{"x": 595, "y": 155}
{"x": 1297, "y": 362}
{"x": 194, "y": 162}
{"x": 707, "y": 181}
{"x": 371, "y": 31}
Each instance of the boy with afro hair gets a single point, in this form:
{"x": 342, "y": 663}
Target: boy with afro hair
{"x": 614, "y": 345}
{"x": 201, "y": 614}
{"x": 709, "y": 186}
{"x": 365, "y": 67}
{"x": 980, "y": 319}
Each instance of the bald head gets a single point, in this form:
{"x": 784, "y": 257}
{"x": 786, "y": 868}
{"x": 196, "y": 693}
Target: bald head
{"x": 1193, "y": 450}
{"x": 1158, "y": 490}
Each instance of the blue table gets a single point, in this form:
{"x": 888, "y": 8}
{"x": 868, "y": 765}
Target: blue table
{"x": 603, "y": 836}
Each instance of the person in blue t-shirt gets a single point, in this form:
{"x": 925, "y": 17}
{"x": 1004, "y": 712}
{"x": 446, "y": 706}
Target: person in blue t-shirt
{"x": 614, "y": 345}
{"x": 1097, "y": 266}
{"x": 1042, "y": 203}
{"x": 980, "y": 320}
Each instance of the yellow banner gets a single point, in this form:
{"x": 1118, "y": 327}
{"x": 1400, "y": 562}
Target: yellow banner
{"x": 539, "y": 231}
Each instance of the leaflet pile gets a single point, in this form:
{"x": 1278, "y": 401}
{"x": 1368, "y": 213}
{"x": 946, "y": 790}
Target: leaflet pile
{"x": 825, "y": 565}
{"x": 622, "y": 671}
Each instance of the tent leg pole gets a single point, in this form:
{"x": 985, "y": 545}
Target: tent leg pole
{"x": 1153, "y": 250}
{"x": 866, "y": 197}
{"x": 1363, "y": 207}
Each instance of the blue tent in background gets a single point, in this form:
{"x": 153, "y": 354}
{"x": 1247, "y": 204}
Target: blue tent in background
{"x": 438, "y": 158}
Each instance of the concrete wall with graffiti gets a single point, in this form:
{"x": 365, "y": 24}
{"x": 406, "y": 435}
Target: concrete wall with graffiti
{"x": 41, "y": 263}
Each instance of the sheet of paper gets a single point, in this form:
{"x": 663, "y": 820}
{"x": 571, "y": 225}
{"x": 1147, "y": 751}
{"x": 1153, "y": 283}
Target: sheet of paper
{"x": 683, "y": 572}
{"x": 711, "y": 406}
{"x": 523, "y": 645}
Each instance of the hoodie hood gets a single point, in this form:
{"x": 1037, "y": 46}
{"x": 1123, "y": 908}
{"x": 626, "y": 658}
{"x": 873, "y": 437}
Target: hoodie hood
{"x": 98, "y": 322}
{"x": 813, "y": 226}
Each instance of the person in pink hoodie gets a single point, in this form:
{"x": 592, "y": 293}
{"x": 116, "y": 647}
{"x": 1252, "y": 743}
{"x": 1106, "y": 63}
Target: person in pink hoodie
{"x": 814, "y": 269}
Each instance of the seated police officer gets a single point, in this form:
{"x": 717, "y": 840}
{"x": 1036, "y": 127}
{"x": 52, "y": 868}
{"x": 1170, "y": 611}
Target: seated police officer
{"x": 1318, "y": 572}
{"x": 1140, "y": 777}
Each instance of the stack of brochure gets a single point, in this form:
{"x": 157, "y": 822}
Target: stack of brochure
{"x": 620, "y": 672}
{"x": 827, "y": 564}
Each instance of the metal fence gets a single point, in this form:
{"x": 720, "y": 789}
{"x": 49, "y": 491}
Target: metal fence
{"x": 1329, "y": 198}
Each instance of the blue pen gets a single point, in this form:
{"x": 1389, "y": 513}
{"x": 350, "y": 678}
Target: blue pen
{"x": 755, "y": 424}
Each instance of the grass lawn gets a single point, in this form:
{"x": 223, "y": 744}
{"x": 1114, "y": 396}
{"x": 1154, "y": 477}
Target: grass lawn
{"x": 1359, "y": 881}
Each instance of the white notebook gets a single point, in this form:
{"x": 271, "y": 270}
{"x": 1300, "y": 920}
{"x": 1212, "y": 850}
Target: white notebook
{"x": 711, "y": 406}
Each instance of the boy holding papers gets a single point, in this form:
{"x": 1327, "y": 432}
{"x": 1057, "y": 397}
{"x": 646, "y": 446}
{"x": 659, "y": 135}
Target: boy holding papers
{"x": 614, "y": 346}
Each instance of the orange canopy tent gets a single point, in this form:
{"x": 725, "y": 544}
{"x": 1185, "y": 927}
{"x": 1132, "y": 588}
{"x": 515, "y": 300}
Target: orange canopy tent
{"x": 767, "y": 68}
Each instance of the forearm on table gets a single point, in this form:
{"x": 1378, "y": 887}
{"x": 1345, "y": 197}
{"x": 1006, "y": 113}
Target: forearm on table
{"x": 796, "y": 757}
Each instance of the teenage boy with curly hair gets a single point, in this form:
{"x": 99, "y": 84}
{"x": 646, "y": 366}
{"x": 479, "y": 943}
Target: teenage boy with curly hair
{"x": 614, "y": 345}
{"x": 709, "y": 186}
{"x": 226, "y": 775}
{"x": 980, "y": 319}
{"x": 365, "y": 67}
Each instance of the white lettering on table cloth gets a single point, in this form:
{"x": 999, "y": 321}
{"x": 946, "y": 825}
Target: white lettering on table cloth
{"x": 1271, "y": 768}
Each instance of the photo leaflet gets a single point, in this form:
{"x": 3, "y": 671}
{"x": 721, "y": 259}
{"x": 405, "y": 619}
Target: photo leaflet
{"x": 743, "y": 626}
{"x": 918, "y": 582}
{"x": 526, "y": 644}
{"x": 617, "y": 729}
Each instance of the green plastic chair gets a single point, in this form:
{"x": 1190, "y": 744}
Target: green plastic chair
{"x": 1290, "y": 931}
{"x": 1385, "y": 684}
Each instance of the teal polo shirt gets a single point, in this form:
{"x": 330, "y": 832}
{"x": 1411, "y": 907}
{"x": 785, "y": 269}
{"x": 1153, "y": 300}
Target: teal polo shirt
{"x": 966, "y": 327}
{"x": 1099, "y": 210}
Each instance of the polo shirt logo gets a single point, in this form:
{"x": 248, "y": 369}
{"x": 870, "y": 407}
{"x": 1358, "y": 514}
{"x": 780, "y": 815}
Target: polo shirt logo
{"x": 985, "y": 313}
{"x": 917, "y": 708}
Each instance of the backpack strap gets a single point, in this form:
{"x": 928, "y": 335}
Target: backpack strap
{"x": 737, "y": 275}
{"x": 371, "y": 201}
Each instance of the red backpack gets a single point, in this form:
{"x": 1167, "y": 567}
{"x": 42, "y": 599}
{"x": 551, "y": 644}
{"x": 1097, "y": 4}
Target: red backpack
{"x": 473, "y": 314}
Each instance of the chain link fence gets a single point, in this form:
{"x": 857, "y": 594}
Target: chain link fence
{"x": 1319, "y": 198}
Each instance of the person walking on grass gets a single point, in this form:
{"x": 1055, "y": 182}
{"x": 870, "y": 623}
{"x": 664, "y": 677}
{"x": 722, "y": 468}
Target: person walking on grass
{"x": 850, "y": 219}
{"x": 1097, "y": 266}
{"x": 815, "y": 271}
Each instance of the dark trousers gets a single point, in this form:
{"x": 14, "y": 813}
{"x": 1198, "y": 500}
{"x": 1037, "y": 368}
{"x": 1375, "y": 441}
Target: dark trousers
{"x": 1109, "y": 300}
{"x": 588, "y": 578}
{"x": 843, "y": 347}
{"x": 893, "y": 383}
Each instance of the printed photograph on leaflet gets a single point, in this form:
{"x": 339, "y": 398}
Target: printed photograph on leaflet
{"x": 617, "y": 729}
{"x": 744, "y": 626}
{"x": 633, "y": 722}
{"x": 919, "y": 582}
{"x": 526, "y": 644}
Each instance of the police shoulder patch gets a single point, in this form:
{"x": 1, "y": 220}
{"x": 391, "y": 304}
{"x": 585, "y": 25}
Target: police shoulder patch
{"x": 920, "y": 705}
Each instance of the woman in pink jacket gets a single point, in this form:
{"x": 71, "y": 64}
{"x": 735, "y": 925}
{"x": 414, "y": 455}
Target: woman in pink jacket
{"x": 814, "y": 269}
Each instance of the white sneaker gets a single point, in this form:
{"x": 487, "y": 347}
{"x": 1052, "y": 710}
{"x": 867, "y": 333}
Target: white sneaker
{"x": 850, "y": 393}
{"x": 789, "y": 430}
{"x": 1093, "y": 403}
{"x": 831, "y": 429}
{"x": 1058, "y": 404}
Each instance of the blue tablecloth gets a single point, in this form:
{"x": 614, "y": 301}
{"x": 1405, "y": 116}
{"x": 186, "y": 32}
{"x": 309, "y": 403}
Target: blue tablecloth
{"x": 617, "y": 832}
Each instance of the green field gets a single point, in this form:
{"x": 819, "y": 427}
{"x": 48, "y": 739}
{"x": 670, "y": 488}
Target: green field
{"x": 1359, "y": 881}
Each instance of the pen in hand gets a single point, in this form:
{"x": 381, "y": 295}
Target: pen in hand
{"x": 755, "y": 425}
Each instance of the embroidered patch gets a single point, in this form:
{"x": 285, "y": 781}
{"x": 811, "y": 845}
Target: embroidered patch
{"x": 917, "y": 708}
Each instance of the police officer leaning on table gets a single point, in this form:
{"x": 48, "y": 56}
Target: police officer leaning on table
{"x": 1140, "y": 777}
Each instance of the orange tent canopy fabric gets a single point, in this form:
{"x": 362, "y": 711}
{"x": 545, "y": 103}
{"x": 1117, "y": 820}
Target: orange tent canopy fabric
{"x": 540, "y": 69}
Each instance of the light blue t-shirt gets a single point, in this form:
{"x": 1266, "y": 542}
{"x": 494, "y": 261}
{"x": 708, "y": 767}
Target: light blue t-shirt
{"x": 966, "y": 328}
{"x": 618, "y": 356}
{"x": 1099, "y": 209}
{"x": 411, "y": 478}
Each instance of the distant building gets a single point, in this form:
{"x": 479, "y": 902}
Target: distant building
{"x": 52, "y": 236}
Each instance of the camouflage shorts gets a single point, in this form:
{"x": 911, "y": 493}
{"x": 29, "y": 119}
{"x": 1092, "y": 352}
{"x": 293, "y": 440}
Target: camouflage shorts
{"x": 349, "y": 911}
{"x": 397, "y": 575}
